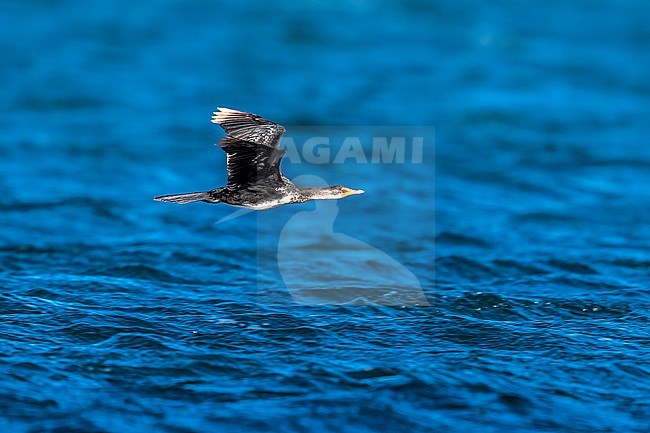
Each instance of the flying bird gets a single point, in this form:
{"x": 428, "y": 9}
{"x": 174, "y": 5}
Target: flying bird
{"x": 253, "y": 158}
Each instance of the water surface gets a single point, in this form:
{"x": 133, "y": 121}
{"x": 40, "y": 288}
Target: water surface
{"x": 526, "y": 226}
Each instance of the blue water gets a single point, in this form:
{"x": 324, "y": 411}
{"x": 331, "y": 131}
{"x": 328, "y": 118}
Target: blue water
{"x": 527, "y": 226}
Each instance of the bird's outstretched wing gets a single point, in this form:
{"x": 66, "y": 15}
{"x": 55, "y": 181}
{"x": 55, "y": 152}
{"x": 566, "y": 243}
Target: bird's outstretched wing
{"x": 248, "y": 127}
{"x": 250, "y": 162}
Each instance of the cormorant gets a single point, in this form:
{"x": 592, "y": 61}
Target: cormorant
{"x": 253, "y": 158}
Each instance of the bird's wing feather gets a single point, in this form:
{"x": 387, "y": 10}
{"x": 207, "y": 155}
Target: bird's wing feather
{"x": 249, "y": 127}
{"x": 250, "y": 162}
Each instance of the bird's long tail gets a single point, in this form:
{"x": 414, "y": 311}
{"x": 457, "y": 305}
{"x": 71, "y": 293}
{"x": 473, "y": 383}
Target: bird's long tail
{"x": 184, "y": 198}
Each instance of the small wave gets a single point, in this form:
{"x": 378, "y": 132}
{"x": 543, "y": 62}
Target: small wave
{"x": 453, "y": 238}
{"x": 142, "y": 272}
{"x": 573, "y": 267}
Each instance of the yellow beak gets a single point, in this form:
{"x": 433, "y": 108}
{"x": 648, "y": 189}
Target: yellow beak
{"x": 349, "y": 191}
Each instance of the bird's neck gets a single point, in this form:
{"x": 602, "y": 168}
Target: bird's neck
{"x": 317, "y": 193}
